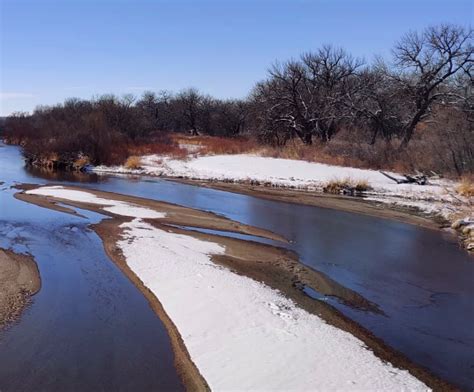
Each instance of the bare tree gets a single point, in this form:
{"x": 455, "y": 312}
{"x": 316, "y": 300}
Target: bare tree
{"x": 306, "y": 96}
{"x": 148, "y": 107}
{"x": 426, "y": 63}
{"x": 376, "y": 103}
{"x": 290, "y": 100}
{"x": 190, "y": 102}
{"x": 229, "y": 117}
{"x": 331, "y": 72}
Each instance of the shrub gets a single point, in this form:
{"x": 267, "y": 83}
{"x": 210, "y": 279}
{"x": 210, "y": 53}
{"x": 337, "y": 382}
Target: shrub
{"x": 346, "y": 186}
{"x": 212, "y": 145}
{"x": 133, "y": 163}
{"x": 362, "y": 186}
{"x": 164, "y": 145}
{"x": 466, "y": 186}
{"x": 81, "y": 162}
{"x": 215, "y": 145}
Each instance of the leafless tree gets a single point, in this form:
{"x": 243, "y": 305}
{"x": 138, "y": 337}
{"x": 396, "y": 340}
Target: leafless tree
{"x": 425, "y": 65}
{"x": 190, "y": 102}
{"x": 232, "y": 117}
{"x": 375, "y": 103}
{"x": 305, "y": 96}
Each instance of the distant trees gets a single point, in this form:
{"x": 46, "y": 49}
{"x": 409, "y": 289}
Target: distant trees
{"x": 192, "y": 112}
{"x": 426, "y": 65}
{"x": 103, "y": 127}
{"x": 375, "y": 103}
{"x": 452, "y": 139}
{"x": 191, "y": 108}
{"x": 323, "y": 95}
{"x": 323, "y": 90}
{"x": 305, "y": 97}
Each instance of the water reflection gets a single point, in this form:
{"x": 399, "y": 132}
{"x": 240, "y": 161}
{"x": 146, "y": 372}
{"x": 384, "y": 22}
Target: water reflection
{"x": 60, "y": 176}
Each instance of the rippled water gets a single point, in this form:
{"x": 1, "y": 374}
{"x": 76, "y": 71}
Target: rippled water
{"x": 422, "y": 281}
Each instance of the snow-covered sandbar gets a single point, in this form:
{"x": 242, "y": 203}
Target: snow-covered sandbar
{"x": 243, "y": 335}
{"x": 240, "y": 334}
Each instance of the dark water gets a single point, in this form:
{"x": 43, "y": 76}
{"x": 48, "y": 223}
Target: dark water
{"x": 88, "y": 328}
{"x": 423, "y": 282}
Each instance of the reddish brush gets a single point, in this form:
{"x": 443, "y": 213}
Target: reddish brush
{"x": 213, "y": 145}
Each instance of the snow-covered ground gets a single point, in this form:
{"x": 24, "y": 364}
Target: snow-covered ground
{"x": 438, "y": 197}
{"x": 241, "y": 334}
{"x": 114, "y": 206}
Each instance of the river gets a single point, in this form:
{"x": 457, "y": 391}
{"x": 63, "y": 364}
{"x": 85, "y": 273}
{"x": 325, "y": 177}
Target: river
{"x": 90, "y": 328}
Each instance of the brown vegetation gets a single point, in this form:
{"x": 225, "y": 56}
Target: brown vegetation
{"x": 346, "y": 186}
{"x": 133, "y": 162}
{"x": 213, "y": 145}
{"x": 466, "y": 187}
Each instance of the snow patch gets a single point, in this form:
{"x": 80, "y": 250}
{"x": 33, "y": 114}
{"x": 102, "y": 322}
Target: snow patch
{"x": 242, "y": 334}
{"x": 113, "y": 206}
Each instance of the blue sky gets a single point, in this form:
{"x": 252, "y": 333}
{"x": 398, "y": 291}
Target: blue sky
{"x": 54, "y": 49}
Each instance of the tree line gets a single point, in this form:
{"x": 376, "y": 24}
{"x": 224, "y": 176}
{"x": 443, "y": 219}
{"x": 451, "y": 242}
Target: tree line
{"x": 423, "y": 91}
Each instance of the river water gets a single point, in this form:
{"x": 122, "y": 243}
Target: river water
{"x": 90, "y": 328}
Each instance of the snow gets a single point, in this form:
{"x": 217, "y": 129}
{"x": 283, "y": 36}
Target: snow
{"x": 437, "y": 198}
{"x": 113, "y": 206}
{"x": 244, "y": 167}
{"x": 242, "y": 334}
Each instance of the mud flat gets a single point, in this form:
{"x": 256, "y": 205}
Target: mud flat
{"x": 276, "y": 267}
{"x": 19, "y": 280}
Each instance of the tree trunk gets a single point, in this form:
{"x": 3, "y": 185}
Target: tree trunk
{"x": 410, "y": 129}
{"x": 374, "y": 136}
{"x": 407, "y": 137}
{"x": 307, "y": 138}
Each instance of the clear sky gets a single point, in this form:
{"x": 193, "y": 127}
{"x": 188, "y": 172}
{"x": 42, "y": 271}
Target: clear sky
{"x": 54, "y": 49}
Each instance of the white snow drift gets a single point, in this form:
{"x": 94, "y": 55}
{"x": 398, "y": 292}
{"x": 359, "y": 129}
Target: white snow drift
{"x": 276, "y": 171}
{"x": 438, "y": 197}
{"x": 113, "y": 206}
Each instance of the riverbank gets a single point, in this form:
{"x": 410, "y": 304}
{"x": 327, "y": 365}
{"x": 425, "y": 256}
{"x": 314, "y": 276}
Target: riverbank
{"x": 19, "y": 281}
{"x": 306, "y": 182}
{"x": 278, "y": 269}
{"x": 357, "y": 205}
{"x": 459, "y": 226}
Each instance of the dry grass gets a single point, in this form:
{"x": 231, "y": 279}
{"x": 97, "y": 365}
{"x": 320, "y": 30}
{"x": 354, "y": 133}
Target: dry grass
{"x": 168, "y": 149}
{"x": 53, "y": 156}
{"x": 362, "y": 186}
{"x": 214, "y": 145}
{"x": 334, "y": 153}
{"x": 346, "y": 149}
{"x": 227, "y": 146}
{"x": 347, "y": 186}
{"x": 133, "y": 162}
{"x": 321, "y": 153}
{"x": 80, "y": 162}
{"x": 179, "y": 138}
{"x": 466, "y": 186}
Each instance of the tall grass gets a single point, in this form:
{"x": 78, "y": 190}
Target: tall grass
{"x": 133, "y": 162}
{"x": 466, "y": 186}
{"x": 346, "y": 186}
{"x": 215, "y": 145}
